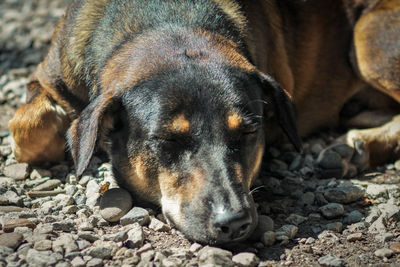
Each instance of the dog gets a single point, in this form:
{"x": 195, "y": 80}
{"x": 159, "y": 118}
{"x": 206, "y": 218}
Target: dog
{"x": 186, "y": 95}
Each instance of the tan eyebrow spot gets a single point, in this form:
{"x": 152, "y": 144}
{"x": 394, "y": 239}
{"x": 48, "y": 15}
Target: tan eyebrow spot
{"x": 234, "y": 121}
{"x": 180, "y": 124}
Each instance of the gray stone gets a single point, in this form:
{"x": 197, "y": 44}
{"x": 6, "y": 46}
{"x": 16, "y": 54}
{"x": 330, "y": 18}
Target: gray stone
{"x": 265, "y": 224}
{"x": 136, "y": 214}
{"x": 17, "y": 171}
{"x": 354, "y": 237}
{"x": 344, "y": 194}
{"x": 384, "y": 237}
{"x": 373, "y": 215}
{"x": 39, "y": 174}
{"x": 383, "y": 253}
{"x": 95, "y": 262}
{"x": 82, "y": 244}
{"x": 65, "y": 226}
{"x": 308, "y": 198}
{"x": 390, "y": 211}
{"x": 70, "y": 209}
{"x": 158, "y": 225}
{"x": 335, "y": 226}
{"x": 100, "y": 252}
{"x": 329, "y": 159}
{"x": 65, "y": 244}
{"x": 11, "y": 198}
{"x": 135, "y": 237}
{"x": 268, "y": 238}
{"x": 78, "y": 262}
{"x": 11, "y": 240}
{"x": 246, "y": 259}
{"x": 5, "y": 251}
{"x": 92, "y": 193}
{"x": 5, "y": 150}
{"x": 295, "y": 219}
{"x": 10, "y": 225}
{"x": 287, "y": 230}
{"x": 89, "y": 236}
{"x": 64, "y": 200}
{"x": 42, "y": 245}
{"x": 6, "y": 182}
{"x": 331, "y": 261}
{"x": 332, "y": 210}
{"x": 211, "y": 256}
{"x": 117, "y": 237}
{"x": 380, "y": 190}
{"x": 195, "y": 247}
{"x": 42, "y": 258}
{"x": 48, "y": 185}
{"x": 353, "y": 217}
{"x": 378, "y": 226}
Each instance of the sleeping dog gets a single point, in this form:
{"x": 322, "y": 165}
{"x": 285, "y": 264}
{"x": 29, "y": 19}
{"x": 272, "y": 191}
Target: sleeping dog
{"x": 185, "y": 95}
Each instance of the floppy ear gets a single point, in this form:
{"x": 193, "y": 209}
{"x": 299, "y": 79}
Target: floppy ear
{"x": 86, "y": 129}
{"x": 284, "y": 109}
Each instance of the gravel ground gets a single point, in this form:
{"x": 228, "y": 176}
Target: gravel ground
{"x": 49, "y": 218}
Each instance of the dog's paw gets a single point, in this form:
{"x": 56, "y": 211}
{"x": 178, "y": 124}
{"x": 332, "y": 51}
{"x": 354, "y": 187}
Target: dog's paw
{"x": 342, "y": 160}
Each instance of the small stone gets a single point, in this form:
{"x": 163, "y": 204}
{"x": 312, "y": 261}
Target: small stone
{"x": 158, "y": 225}
{"x": 310, "y": 241}
{"x": 66, "y": 226}
{"x": 10, "y": 225}
{"x": 395, "y": 248}
{"x": 17, "y": 171}
{"x": 65, "y": 244}
{"x": 331, "y": 261}
{"x": 11, "y": 240}
{"x": 211, "y": 256}
{"x": 120, "y": 236}
{"x": 93, "y": 196}
{"x": 114, "y": 204}
{"x": 246, "y": 259}
{"x": 48, "y": 185}
{"x": 94, "y": 262}
{"x": 383, "y": 253}
{"x": 5, "y": 150}
{"x": 195, "y": 247}
{"x": 10, "y": 198}
{"x": 329, "y": 159}
{"x": 85, "y": 226}
{"x": 70, "y": 209}
{"x": 82, "y": 244}
{"x": 375, "y": 191}
{"x": 135, "y": 237}
{"x": 42, "y": 258}
{"x": 42, "y": 245}
{"x": 335, "y": 226}
{"x": 39, "y": 174}
{"x": 6, "y": 182}
{"x": 268, "y": 238}
{"x": 354, "y": 237}
{"x": 287, "y": 230}
{"x": 384, "y": 237}
{"x": 344, "y": 194}
{"x": 295, "y": 219}
{"x": 353, "y": 217}
{"x": 89, "y": 236}
{"x": 332, "y": 210}
{"x": 265, "y": 224}
{"x": 100, "y": 252}
{"x": 78, "y": 262}
{"x": 390, "y": 211}
{"x": 308, "y": 198}
{"x": 136, "y": 214}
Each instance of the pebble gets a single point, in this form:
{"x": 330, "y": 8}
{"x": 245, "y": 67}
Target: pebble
{"x": 295, "y": 219}
{"x": 11, "y": 240}
{"x": 42, "y": 258}
{"x": 65, "y": 226}
{"x": 335, "y": 226}
{"x": 353, "y": 217}
{"x": 332, "y": 210}
{"x": 92, "y": 193}
{"x": 383, "y": 253}
{"x": 114, "y": 204}
{"x": 120, "y": 236}
{"x": 17, "y": 171}
{"x": 344, "y": 194}
{"x": 94, "y": 262}
{"x": 390, "y": 211}
{"x": 10, "y": 225}
{"x": 70, "y": 209}
{"x": 395, "y": 248}
{"x": 384, "y": 237}
{"x": 158, "y": 225}
{"x": 354, "y": 237}
{"x": 212, "y": 256}
{"x": 265, "y": 224}
{"x": 268, "y": 238}
{"x": 331, "y": 261}
{"x": 88, "y": 235}
{"x": 136, "y": 214}
{"x": 379, "y": 190}
{"x": 48, "y": 185}
{"x": 39, "y": 174}
{"x": 135, "y": 237}
{"x": 246, "y": 259}
{"x": 308, "y": 198}
{"x": 100, "y": 252}
{"x": 287, "y": 230}
{"x": 42, "y": 245}
{"x": 78, "y": 262}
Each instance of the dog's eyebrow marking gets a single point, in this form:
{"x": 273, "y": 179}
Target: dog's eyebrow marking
{"x": 234, "y": 120}
{"x": 180, "y": 124}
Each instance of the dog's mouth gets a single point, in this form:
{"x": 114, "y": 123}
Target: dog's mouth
{"x": 216, "y": 226}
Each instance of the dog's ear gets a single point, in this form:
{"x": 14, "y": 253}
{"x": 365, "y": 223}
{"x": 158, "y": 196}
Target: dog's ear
{"x": 284, "y": 108}
{"x": 84, "y": 132}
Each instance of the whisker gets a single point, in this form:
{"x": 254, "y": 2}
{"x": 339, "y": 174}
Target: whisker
{"x": 255, "y": 189}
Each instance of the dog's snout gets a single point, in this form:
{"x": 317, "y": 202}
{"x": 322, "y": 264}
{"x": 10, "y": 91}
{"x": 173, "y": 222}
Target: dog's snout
{"x": 232, "y": 226}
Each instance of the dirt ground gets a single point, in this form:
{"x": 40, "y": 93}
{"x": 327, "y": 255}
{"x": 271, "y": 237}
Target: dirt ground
{"x": 25, "y": 32}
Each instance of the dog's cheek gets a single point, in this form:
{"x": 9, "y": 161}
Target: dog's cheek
{"x": 254, "y": 165}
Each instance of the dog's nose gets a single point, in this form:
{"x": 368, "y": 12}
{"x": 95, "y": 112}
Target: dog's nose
{"x": 232, "y": 225}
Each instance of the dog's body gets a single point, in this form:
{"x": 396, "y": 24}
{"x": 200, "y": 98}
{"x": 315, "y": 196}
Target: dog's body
{"x": 175, "y": 91}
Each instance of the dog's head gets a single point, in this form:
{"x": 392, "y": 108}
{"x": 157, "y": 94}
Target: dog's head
{"x": 190, "y": 138}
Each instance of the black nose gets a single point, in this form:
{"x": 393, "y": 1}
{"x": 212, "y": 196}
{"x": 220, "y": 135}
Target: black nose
{"x": 232, "y": 225}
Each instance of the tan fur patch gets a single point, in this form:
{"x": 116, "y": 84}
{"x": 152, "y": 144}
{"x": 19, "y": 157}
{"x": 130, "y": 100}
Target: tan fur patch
{"x": 180, "y": 124}
{"x": 234, "y": 120}
{"x": 232, "y": 9}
